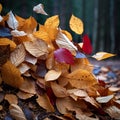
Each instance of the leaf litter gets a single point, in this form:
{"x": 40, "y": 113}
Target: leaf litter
{"x": 44, "y": 74}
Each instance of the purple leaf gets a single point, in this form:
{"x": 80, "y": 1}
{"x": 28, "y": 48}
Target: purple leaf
{"x": 80, "y": 55}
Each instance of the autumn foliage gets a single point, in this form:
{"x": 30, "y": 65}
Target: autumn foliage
{"x": 48, "y": 58}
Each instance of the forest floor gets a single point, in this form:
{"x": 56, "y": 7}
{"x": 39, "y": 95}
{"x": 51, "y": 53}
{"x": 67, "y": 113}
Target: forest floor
{"x": 104, "y": 70}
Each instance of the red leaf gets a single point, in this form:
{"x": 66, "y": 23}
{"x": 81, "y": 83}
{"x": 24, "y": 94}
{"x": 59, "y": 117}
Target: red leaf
{"x": 87, "y": 47}
{"x": 63, "y": 55}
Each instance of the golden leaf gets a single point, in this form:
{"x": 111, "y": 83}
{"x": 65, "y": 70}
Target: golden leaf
{"x": 52, "y": 22}
{"x": 44, "y": 102}
{"x": 102, "y": 55}
{"x": 76, "y": 24}
{"x": 52, "y": 75}
{"x": 81, "y": 79}
{"x": 6, "y": 41}
{"x": 16, "y": 112}
{"x": 36, "y": 48}
{"x": 58, "y": 90}
{"x": 69, "y": 36}
{"x": 39, "y": 9}
{"x": 11, "y": 75}
{"x": 18, "y": 55}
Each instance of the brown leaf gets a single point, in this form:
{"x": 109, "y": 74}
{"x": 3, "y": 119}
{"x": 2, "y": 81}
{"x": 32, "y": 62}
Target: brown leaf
{"x": 44, "y": 102}
{"x": 113, "y": 111}
{"x": 23, "y": 67}
{"x": 11, "y": 98}
{"x": 52, "y": 75}
{"x": 58, "y": 90}
{"x": 28, "y": 86}
{"x": 24, "y": 95}
{"x": 18, "y": 55}
{"x": 16, "y": 112}
{"x": 11, "y": 75}
{"x": 4, "y": 53}
{"x": 36, "y": 48}
{"x": 0, "y": 7}
{"x": 81, "y": 79}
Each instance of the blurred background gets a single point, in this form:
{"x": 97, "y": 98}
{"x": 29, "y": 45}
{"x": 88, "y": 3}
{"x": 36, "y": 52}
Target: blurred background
{"x": 101, "y": 18}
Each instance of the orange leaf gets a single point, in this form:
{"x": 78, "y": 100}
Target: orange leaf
{"x": 102, "y": 55}
{"x": 11, "y": 98}
{"x": 29, "y": 25}
{"x": 81, "y": 79}
{"x": 6, "y": 41}
{"x": 11, "y": 75}
{"x": 76, "y": 24}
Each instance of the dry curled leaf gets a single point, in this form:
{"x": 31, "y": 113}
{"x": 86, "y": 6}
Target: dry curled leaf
{"x": 16, "y": 112}
{"x": 44, "y": 102}
{"x": 52, "y": 75}
{"x": 76, "y": 24}
{"x": 36, "y": 48}
{"x": 11, "y": 75}
{"x": 11, "y": 98}
{"x": 102, "y": 55}
{"x": 39, "y": 9}
{"x": 12, "y": 21}
{"x": 58, "y": 90}
{"x": 18, "y": 55}
{"x": 63, "y": 42}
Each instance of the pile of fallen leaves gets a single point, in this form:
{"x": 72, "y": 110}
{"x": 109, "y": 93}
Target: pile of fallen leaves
{"x": 42, "y": 62}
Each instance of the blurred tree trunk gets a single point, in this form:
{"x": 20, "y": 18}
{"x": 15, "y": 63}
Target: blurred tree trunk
{"x": 117, "y": 25}
{"x": 95, "y": 25}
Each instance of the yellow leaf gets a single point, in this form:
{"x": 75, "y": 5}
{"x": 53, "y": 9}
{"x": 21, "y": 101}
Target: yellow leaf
{"x": 81, "y": 79}
{"x": 76, "y": 24}
{"x": 69, "y": 36}
{"x": 52, "y": 22}
{"x": 11, "y": 75}
{"x": 6, "y": 41}
{"x": 0, "y": 7}
{"x": 102, "y": 55}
